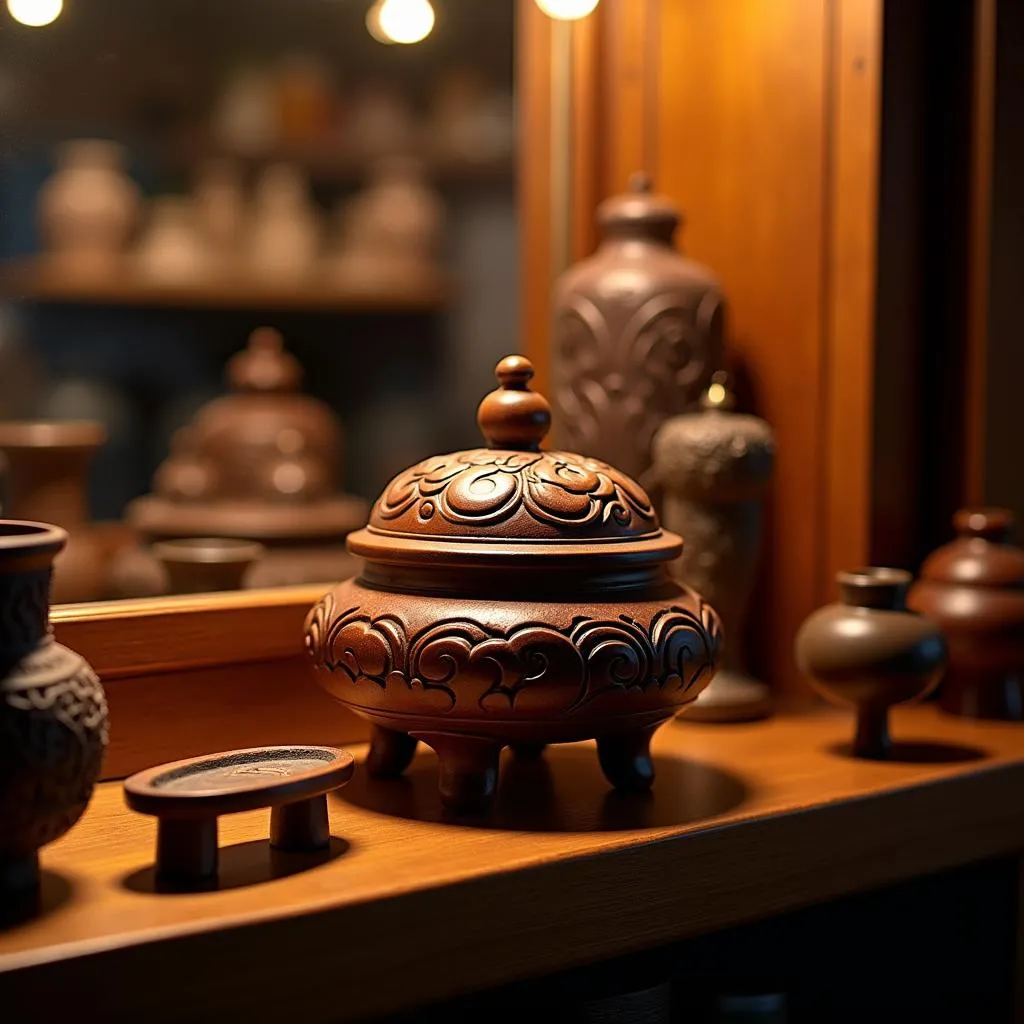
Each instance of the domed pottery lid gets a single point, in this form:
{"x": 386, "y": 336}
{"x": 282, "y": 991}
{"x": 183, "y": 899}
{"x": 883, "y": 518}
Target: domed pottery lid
{"x": 511, "y": 503}
{"x": 981, "y": 555}
{"x": 638, "y": 212}
{"x": 262, "y": 462}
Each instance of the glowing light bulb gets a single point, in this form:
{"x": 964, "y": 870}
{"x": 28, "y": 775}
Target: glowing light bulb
{"x": 401, "y": 21}
{"x": 35, "y": 13}
{"x": 567, "y": 10}
{"x": 373, "y": 24}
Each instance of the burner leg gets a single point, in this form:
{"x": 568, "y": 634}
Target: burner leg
{"x": 468, "y": 773}
{"x": 390, "y": 753}
{"x": 302, "y": 826}
{"x": 626, "y": 758}
{"x": 186, "y": 849}
{"x": 528, "y": 751}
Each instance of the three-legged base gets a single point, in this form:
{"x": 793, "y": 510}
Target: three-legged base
{"x": 468, "y": 770}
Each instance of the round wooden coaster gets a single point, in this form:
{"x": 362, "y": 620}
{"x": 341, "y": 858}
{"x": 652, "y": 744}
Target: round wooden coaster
{"x": 188, "y": 796}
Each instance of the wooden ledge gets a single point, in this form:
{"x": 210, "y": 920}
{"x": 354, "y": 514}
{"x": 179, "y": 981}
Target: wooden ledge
{"x": 745, "y": 821}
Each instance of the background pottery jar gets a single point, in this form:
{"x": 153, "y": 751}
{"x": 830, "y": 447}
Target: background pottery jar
{"x": 53, "y": 715}
{"x": 513, "y": 596}
{"x": 284, "y": 236}
{"x": 262, "y": 463}
{"x": 172, "y": 251}
{"x": 974, "y": 588}
{"x": 869, "y": 652}
{"x": 48, "y": 466}
{"x": 638, "y": 332}
{"x": 202, "y": 565}
{"x": 87, "y": 209}
{"x": 713, "y": 467}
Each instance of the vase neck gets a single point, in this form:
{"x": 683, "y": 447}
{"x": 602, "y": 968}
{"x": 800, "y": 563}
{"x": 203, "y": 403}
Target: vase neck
{"x": 881, "y": 588}
{"x": 24, "y": 612}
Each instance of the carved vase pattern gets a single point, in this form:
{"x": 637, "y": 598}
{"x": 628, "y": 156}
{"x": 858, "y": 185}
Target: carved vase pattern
{"x": 53, "y": 714}
{"x": 713, "y": 467}
{"x": 638, "y": 333}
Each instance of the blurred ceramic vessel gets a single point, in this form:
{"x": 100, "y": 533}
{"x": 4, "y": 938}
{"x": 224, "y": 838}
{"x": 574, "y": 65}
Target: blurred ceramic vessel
{"x": 171, "y": 251}
{"x": 974, "y": 588}
{"x": 869, "y": 652}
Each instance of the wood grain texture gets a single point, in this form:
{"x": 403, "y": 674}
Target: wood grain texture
{"x": 188, "y": 675}
{"x": 849, "y": 407}
{"x": 742, "y": 140}
{"x": 744, "y": 823}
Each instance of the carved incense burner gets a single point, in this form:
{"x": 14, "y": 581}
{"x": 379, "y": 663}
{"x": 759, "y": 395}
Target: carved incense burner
{"x": 513, "y": 597}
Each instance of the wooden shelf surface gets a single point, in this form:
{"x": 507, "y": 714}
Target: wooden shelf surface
{"x": 37, "y": 281}
{"x": 745, "y": 821}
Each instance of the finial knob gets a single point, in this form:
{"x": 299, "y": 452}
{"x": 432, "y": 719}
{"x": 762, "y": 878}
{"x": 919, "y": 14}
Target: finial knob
{"x": 513, "y": 416}
{"x": 640, "y": 182}
{"x": 994, "y": 524}
{"x": 264, "y": 365}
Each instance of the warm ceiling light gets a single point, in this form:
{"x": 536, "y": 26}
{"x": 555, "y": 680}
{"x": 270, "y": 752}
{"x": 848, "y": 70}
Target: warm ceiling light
{"x": 35, "y": 13}
{"x": 567, "y": 10}
{"x": 400, "y": 21}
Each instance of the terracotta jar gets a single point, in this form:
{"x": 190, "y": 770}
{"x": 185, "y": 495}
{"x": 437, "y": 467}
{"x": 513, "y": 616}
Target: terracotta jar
{"x": 172, "y": 251}
{"x": 638, "y": 333}
{"x": 48, "y": 466}
{"x": 713, "y": 467}
{"x": 262, "y": 463}
{"x": 88, "y": 208}
{"x": 513, "y": 596}
{"x": 53, "y": 715}
{"x": 974, "y": 588}
{"x": 869, "y": 652}
{"x": 284, "y": 236}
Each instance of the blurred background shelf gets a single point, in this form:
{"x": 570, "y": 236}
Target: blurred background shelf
{"x": 35, "y": 281}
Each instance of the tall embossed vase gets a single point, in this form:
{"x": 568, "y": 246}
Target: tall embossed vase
{"x": 637, "y": 334}
{"x": 713, "y": 467}
{"x": 53, "y": 714}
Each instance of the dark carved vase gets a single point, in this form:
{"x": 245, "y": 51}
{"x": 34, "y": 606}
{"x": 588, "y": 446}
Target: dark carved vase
{"x": 870, "y": 653}
{"x": 638, "y": 332}
{"x": 712, "y": 468}
{"x": 974, "y": 588}
{"x": 48, "y": 467}
{"x": 513, "y": 597}
{"x": 53, "y": 715}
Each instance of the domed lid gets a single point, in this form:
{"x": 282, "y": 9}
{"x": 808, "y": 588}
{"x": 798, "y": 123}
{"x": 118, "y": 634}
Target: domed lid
{"x": 638, "y": 213}
{"x": 262, "y": 462}
{"x": 512, "y": 502}
{"x": 981, "y": 555}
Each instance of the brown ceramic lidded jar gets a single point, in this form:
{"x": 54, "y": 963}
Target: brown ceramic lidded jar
{"x": 974, "y": 588}
{"x": 869, "y": 652}
{"x": 638, "y": 332}
{"x": 260, "y": 464}
{"x": 513, "y": 596}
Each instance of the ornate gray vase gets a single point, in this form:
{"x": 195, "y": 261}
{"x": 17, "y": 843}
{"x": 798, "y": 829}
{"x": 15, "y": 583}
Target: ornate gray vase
{"x": 713, "y": 467}
{"x": 638, "y": 332}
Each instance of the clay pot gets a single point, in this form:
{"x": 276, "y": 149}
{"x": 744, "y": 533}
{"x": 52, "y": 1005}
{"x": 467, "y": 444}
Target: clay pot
{"x": 220, "y": 209}
{"x": 53, "y": 715}
{"x": 48, "y": 466}
{"x": 974, "y": 588}
{"x": 172, "y": 251}
{"x": 869, "y": 652}
{"x": 199, "y": 565}
{"x": 637, "y": 335}
{"x": 262, "y": 463}
{"x": 713, "y": 467}
{"x": 513, "y": 596}
{"x": 284, "y": 236}
{"x": 88, "y": 208}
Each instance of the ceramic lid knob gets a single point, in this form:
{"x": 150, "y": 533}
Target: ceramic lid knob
{"x": 639, "y": 213}
{"x": 264, "y": 365}
{"x": 513, "y": 416}
{"x": 992, "y": 524}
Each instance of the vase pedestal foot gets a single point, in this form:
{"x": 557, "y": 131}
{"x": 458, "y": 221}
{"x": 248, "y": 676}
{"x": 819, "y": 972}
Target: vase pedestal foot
{"x": 730, "y": 697}
{"x": 468, "y": 772}
{"x": 625, "y": 758}
{"x": 872, "y": 740}
{"x": 528, "y": 751}
{"x": 391, "y": 752}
